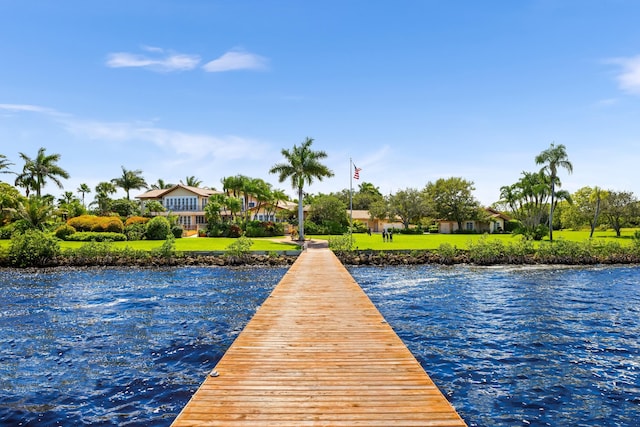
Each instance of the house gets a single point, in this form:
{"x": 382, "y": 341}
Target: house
{"x": 374, "y": 224}
{"x": 494, "y": 223}
{"x": 187, "y": 203}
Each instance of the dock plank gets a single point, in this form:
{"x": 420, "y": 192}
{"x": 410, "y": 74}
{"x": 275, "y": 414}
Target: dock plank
{"x": 318, "y": 353}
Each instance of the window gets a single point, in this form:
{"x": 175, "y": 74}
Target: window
{"x": 469, "y": 226}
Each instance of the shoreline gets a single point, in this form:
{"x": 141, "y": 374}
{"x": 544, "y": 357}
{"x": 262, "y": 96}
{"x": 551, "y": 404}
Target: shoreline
{"x": 355, "y": 258}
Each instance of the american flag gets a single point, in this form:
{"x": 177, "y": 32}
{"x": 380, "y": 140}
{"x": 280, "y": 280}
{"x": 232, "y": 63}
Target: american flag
{"x": 356, "y": 172}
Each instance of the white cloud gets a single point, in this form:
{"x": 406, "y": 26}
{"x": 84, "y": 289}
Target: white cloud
{"x": 178, "y": 144}
{"x": 629, "y": 76}
{"x": 236, "y": 60}
{"x": 157, "y": 61}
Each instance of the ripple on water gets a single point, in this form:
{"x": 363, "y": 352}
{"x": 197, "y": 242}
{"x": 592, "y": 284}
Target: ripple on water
{"x": 521, "y": 346}
{"x": 117, "y": 346}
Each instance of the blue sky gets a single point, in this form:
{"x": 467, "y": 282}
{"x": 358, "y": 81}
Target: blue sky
{"x": 411, "y": 90}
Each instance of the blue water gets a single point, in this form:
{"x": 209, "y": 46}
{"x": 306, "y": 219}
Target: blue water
{"x": 117, "y": 347}
{"x": 508, "y": 346}
{"x": 521, "y": 346}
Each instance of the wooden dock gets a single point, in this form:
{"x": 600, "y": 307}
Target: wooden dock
{"x": 318, "y": 353}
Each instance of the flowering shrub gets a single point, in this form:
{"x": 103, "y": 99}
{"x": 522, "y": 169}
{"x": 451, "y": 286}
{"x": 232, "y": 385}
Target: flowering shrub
{"x": 135, "y": 220}
{"x": 98, "y": 224}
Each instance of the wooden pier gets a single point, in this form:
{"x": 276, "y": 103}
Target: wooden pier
{"x": 318, "y": 353}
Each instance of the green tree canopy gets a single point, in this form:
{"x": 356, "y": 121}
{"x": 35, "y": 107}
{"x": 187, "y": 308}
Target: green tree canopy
{"x": 130, "y": 180}
{"x": 302, "y": 165}
{"x": 452, "y": 199}
{"x": 553, "y": 158}
{"x": 38, "y": 170}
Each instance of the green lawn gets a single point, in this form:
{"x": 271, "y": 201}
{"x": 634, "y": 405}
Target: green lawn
{"x": 361, "y": 241}
{"x": 461, "y": 241}
{"x": 189, "y": 244}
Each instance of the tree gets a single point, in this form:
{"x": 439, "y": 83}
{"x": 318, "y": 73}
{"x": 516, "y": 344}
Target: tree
{"x": 37, "y": 171}
{"x": 302, "y": 166}
{"x": 408, "y": 205}
{"x": 102, "y": 197}
{"x": 35, "y": 213}
{"x": 161, "y": 185}
{"x": 4, "y": 164}
{"x": 452, "y": 199}
{"x": 527, "y": 200}
{"x": 619, "y": 207}
{"x": 553, "y": 158}
{"x": 83, "y": 189}
{"x": 130, "y": 180}
{"x": 330, "y": 212}
{"x": 10, "y": 200}
{"x": 191, "y": 181}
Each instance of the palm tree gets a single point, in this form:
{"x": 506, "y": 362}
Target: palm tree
{"x": 161, "y": 185}
{"x": 35, "y": 212}
{"x": 553, "y": 158}
{"x": 36, "y": 171}
{"x": 302, "y": 166}
{"x": 66, "y": 198}
{"x": 102, "y": 199}
{"x": 130, "y": 179}
{"x": 4, "y": 164}
{"x": 191, "y": 181}
{"x": 83, "y": 189}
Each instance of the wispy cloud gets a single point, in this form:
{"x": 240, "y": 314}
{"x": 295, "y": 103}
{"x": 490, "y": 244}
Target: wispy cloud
{"x": 629, "y": 76}
{"x": 236, "y": 60}
{"x": 177, "y": 144}
{"x": 156, "y": 59}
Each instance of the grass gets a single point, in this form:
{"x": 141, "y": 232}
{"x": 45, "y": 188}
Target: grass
{"x": 188, "y": 244}
{"x": 361, "y": 241}
{"x": 461, "y": 241}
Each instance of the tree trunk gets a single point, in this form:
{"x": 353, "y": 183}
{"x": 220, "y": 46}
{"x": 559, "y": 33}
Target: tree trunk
{"x": 300, "y": 215}
{"x": 595, "y": 218}
{"x": 553, "y": 190}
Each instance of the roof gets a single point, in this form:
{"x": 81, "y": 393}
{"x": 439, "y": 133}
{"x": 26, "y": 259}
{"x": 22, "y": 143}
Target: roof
{"x": 157, "y": 194}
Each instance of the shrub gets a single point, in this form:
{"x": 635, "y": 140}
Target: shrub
{"x": 93, "y": 236}
{"x": 447, "y": 253}
{"x": 33, "y": 248}
{"x": 177, "y": 231}
{"x": 95, "y": 223}
{"x": 64, "y": 231}
{"x": 342, "y": 243}
{"x": 135, "y": 220}
{"x": 158, "y": 228}
{"x": 167, "y": 250}
{"x": 240, "y": 247}
{"x": 135, "y": 231}
{"x": 7, "y": 231}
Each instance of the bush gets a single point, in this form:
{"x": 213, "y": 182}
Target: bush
{"x": 135, "y": 220}
{"x": 167, "y": 250}
{"x": 98, "y": 224}
{"x": 93, "y": 236}
{"x": 135, "y": 231}
{"x": 177, "y": 231}
{"x": 64, "y": 231}
{"x": 33, "y": 248}
{"x": 158, "y": 228}
{"x": 264, "y": 229}
{"x": 240, "y": 247}
{"x": 342, "y": 243}
{"x": 7, "y": 231}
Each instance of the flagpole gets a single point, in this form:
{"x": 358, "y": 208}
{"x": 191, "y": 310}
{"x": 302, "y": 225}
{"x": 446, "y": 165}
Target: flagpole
{"x": 350, "y": 196}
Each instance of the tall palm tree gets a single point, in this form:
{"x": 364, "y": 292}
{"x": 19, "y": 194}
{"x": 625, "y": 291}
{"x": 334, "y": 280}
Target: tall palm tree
{"x": 130, "y": 179}
{"x": 36, "y": 171}
{"x": 161, "y": 185}
{"x": 83, "y": 189}
{"x": 553, "y": 158}
{"x": 102, "y": 198}
{"x": 302, "y": 166}
{"x": 191, "y": 181}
